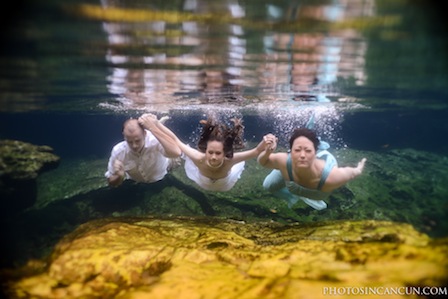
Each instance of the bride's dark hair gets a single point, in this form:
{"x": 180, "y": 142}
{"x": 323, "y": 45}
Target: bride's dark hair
{"x": 231, "y": 138}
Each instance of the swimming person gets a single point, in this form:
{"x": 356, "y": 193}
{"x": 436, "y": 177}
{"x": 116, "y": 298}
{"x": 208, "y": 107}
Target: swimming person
{"x": 308, "y": 172}
{"x": 143, "y": 156}
{"x": 214, "y": 166}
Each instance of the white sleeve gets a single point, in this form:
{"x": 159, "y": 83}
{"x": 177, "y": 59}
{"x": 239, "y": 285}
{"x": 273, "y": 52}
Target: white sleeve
{"x": 118, "y": 152}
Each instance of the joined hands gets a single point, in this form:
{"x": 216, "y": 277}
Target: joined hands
{"x": 270, "y": 142}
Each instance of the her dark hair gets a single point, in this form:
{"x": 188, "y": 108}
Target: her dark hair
{"x": 305, "y": 133}
{"x": 231, "y": 138}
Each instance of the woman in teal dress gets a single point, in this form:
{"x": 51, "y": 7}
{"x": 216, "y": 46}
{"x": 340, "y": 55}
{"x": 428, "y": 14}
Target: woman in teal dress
{"x": 308, "y": 172}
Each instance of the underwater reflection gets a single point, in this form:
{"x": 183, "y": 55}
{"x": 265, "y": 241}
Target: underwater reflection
{"x": 198, "y": 52}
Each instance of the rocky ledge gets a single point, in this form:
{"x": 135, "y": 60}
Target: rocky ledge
{"x": 20, "y": 164}
{"x": 210, "y": 258}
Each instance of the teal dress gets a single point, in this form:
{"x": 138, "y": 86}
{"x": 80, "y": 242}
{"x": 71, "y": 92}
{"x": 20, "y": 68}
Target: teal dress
{"x": 292, "y": 192}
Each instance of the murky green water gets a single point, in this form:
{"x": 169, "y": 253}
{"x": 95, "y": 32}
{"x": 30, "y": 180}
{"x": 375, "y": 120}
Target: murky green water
{"x": 373, "y": 72}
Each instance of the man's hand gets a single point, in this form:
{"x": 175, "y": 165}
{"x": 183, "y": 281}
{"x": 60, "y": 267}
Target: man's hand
{"x": 118, "y": 168}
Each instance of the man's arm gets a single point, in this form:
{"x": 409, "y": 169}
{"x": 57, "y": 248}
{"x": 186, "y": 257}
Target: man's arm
{"x": 115, "y": 168}
{"x": 118, "y": 176}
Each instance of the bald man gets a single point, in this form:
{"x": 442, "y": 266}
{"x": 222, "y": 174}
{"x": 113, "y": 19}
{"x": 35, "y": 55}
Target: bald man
{"x": 143, "y": 156}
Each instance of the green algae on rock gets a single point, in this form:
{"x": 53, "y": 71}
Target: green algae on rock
{"x": 22, "y": 160}
{"x": 20, "y": 164}
{"x": 211, "y": 258}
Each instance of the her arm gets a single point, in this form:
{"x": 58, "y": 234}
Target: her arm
{"x": 267, "y": 158}
{"x": 187, "y": 150}
{"x": 341, "y": 175}
{"x": 268, "y": 141}
{"x": 149, "y": 122}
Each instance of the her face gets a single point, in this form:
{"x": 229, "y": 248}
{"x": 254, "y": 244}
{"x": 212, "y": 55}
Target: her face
{"x": 215, "y": 153}
{"x": 303, "y": 152}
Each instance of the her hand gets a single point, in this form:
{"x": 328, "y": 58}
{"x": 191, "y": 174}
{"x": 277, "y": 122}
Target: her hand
{"x": 360, "y": 166}
{"x": 148, "y": 121}
{"x": 271, "y": 142}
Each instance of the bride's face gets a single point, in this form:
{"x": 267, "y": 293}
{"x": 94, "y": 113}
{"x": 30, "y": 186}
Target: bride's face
{"x": 215, "y": 153}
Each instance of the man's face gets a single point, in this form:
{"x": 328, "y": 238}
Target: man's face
{"x": 135, "y": 139}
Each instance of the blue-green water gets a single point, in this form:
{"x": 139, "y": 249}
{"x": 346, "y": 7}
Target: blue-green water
{"x": 373, "y": 72}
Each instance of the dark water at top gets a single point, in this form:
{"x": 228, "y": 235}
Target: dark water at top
{"x": 361, "y": 66}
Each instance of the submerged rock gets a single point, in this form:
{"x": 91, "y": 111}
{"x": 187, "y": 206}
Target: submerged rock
{"x": 20, "y": 164}
{"x": 210, "y": 258}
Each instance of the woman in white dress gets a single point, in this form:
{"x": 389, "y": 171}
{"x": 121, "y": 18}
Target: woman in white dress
{"x": 214, "y": 166}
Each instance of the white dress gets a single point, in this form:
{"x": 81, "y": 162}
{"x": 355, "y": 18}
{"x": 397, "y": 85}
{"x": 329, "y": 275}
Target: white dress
{"x": 224, "y": 184}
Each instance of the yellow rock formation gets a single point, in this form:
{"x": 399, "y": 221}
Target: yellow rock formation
{"x": 209, "y": 258}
